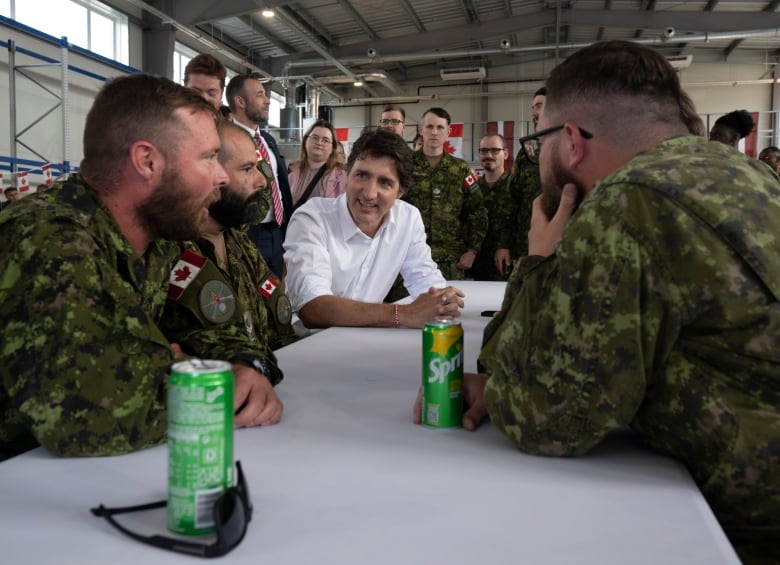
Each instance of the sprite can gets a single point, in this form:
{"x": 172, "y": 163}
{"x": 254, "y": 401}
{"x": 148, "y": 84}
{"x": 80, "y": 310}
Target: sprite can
{"x": 200, "y": 442}
{"x": 442, "y": 374}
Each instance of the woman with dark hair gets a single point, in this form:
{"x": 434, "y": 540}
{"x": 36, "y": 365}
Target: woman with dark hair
{"x": 317, "y": 171}
{"x": 732, "y": 127}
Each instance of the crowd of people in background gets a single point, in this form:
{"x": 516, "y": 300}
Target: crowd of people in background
{"x": 641, "y": 261}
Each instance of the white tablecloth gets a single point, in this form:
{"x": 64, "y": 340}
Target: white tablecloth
{"x": 346, "y": 478}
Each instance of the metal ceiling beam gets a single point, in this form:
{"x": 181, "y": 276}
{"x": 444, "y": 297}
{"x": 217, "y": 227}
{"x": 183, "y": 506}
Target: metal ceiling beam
{"x": 269, "y": 35}
{"x": 350, "y": 9}
{"x": 412, "y": 15}
{"x": 771, "y": 7}
{"x": 200, "y": 11}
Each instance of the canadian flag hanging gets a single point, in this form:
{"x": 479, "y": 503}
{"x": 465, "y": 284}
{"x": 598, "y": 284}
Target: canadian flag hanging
{"x": 454, "y": 143}
{"x": 46, "y": 169}
{"x": 22, "y": 182}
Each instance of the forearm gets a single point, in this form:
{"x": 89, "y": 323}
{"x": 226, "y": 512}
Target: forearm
{"x": 326, "y": 311}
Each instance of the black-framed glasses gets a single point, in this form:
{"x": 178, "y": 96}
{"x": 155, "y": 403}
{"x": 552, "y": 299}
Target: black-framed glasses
{"x": 490, "y": 150}
{"x": 532, "y": 144}
{"x": 389, "y": 121}
{"x": 232, "y": 513}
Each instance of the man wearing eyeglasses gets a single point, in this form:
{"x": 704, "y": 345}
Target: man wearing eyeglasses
{"x": 524, "y": 183}
{"x": 393, "y": 119}
{"x": 494, "y": 260}
{"x": 654, "y": 304}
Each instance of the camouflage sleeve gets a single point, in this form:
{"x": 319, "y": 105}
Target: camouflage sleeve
{"x": 564, "y": 371}
{"x": 474, "y": 217}
{"x": 84, "y": 363}
{"x": 524, "y": 187}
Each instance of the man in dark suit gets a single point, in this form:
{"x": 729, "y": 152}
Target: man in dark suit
{"x": 248, "y": 100}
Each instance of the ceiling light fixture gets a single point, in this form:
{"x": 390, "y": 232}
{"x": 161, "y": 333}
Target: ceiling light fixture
{"x": 357, "y": 83}
{"x": 268, "y": 13}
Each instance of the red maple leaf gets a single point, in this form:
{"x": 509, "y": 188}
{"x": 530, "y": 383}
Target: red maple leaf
{"x": 448, "y": 147}
{"x": 182, "y": 274}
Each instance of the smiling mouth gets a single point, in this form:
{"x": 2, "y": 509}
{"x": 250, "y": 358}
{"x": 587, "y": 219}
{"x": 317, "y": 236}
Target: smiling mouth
{"x": 366, "y": 204}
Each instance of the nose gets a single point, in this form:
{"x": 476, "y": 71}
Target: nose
{"x": 220, "y": 175}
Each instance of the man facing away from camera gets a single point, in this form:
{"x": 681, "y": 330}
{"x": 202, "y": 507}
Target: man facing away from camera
{"x": 649, "y": 297}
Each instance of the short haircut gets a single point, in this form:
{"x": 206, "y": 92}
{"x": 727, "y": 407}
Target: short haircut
{"x": 441, "y": 112}
{"x": 766, "y": 152}
{"x": 383, "y": 143}
{"x": 129, "y": 109}
{"x": 223, "y": 127}
{"x": 394, "y": 108}
{"x": 10, "y": 189}
{"x": 738, "y": 120}
{"x": 236, "y": 88}
{"x": 628, "y": 85}
{"x": 541, "y": 92}
{"x": 495, "y": 134}
{"x": 205, "y": 64}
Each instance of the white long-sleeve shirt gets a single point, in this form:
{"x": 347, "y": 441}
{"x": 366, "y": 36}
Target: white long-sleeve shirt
{"x": 327, "y": 254}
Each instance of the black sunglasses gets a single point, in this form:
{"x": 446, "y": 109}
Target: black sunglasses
{"x": 532, "y": 144}
{"x": 232, "y": 513}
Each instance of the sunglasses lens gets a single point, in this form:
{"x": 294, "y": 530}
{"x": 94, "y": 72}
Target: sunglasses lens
{"x": 231, "y": 520}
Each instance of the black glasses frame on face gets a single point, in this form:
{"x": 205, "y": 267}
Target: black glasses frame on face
{"x": 232, "y": 513}
{"x": 388, "y": 121}
{"x": 532, "y": 145}
{"x": 491, "y": 150}
{"x": 319, "y": 139}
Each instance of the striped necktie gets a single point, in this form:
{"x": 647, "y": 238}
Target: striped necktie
{"x": 275, "y": 194}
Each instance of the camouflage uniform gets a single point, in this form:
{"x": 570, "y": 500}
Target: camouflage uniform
{"x": 451, "y": 206}
{"x": 659, "y": 310}
{"x": 524, "y": 185}
{"x": 248, "y": 274}
{"x": 84, "y": 361}
{"x": 502, "y": 213}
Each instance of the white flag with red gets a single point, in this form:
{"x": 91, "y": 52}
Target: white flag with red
{"x": 454, "y": 143}
{"x": 22, "y": 182}
{"x": 269, "y": 286}
{"x": 184, "y": 273}
{"x": 47, "y": 174}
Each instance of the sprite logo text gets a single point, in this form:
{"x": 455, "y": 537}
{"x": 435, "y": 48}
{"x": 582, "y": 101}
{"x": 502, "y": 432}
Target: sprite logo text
{"x": 440, "y": 368}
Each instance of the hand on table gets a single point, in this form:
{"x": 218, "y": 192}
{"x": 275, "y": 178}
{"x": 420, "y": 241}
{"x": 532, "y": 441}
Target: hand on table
{"x": 254, "y": 400}
{"x": 436, "y": 303}
{"x": 475, "y": 410}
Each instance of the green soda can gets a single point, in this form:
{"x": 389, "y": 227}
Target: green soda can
{"x": 200, "y": 442}
{"x": 442, "y": 374}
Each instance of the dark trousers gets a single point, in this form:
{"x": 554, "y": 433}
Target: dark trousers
{"x": 269, "y": 239}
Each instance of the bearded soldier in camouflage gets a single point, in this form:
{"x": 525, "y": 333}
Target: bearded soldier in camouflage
{"x": 236, "y": 260}
{"x": 494, "y": 260}
{"x": 83, "y": 280}
{"x": 653, "y": 305}
{"x": 450, "y": 202}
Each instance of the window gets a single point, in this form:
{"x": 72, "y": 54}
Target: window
{"x": 86, "y": 23}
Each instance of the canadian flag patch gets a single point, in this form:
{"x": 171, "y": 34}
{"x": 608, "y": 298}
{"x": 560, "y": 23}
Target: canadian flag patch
{"x": 185, "y": 271}
{"x": 470, "y": 181}
{"x": 269, "y": 286}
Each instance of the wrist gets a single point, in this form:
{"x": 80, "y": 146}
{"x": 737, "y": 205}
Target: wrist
{"x": 253, "y": 362}
{"x": 396, "y": 317}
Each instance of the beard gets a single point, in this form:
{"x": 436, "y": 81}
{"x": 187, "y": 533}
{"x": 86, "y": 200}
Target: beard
{"x": 232, "y": 211}
{"x": 170, "y": 213}
{"x": 489, "y": 165}
{"x": 553, "y": 182}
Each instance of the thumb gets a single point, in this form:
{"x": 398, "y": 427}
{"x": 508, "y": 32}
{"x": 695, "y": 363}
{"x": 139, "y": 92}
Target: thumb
{"x": 474, "y": 415}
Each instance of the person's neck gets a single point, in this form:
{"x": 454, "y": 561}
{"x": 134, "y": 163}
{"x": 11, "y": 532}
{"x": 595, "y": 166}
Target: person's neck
{"x": 491, "y": 177}
{"x": 315, "y": 165}
{"x": 246, "y": 122}
{"x": 433, "y": 156}
{"x": 126, "y": 218}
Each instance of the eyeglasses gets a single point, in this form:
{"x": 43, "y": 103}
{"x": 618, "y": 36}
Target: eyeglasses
{"x": 389, "y": 121}
{"x": 317, "y": 139}
{"x": 491, "y": 150}
{"x": 532, "y": 144}
{"x": 232, "y": 513}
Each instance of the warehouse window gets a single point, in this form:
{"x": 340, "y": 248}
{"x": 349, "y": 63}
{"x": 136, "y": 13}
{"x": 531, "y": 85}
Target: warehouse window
{"x": 87, "y": 23}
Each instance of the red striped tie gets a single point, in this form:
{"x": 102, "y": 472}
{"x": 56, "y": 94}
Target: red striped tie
{"x": 275, "y": 194}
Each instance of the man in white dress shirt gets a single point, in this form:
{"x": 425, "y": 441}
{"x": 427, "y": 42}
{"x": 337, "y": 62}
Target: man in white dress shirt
{"x": 343, "y": 254}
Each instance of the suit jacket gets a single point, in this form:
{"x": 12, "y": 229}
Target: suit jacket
{"x": 281, "y": 177}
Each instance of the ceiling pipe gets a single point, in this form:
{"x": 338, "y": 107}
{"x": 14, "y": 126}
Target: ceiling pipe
{"x": 422, "y": 56}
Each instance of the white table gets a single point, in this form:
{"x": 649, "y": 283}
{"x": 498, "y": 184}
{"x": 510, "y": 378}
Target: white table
{"x": 346, "y": 478}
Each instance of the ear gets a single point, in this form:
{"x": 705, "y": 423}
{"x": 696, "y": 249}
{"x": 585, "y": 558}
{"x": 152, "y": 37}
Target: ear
{"x": 146, "y": 160}
{"x": 575, "y": 145}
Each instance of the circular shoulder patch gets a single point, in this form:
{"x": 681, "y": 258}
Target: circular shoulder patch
{"x": 217, "y": 301}
{"x": 283, "y": 310}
